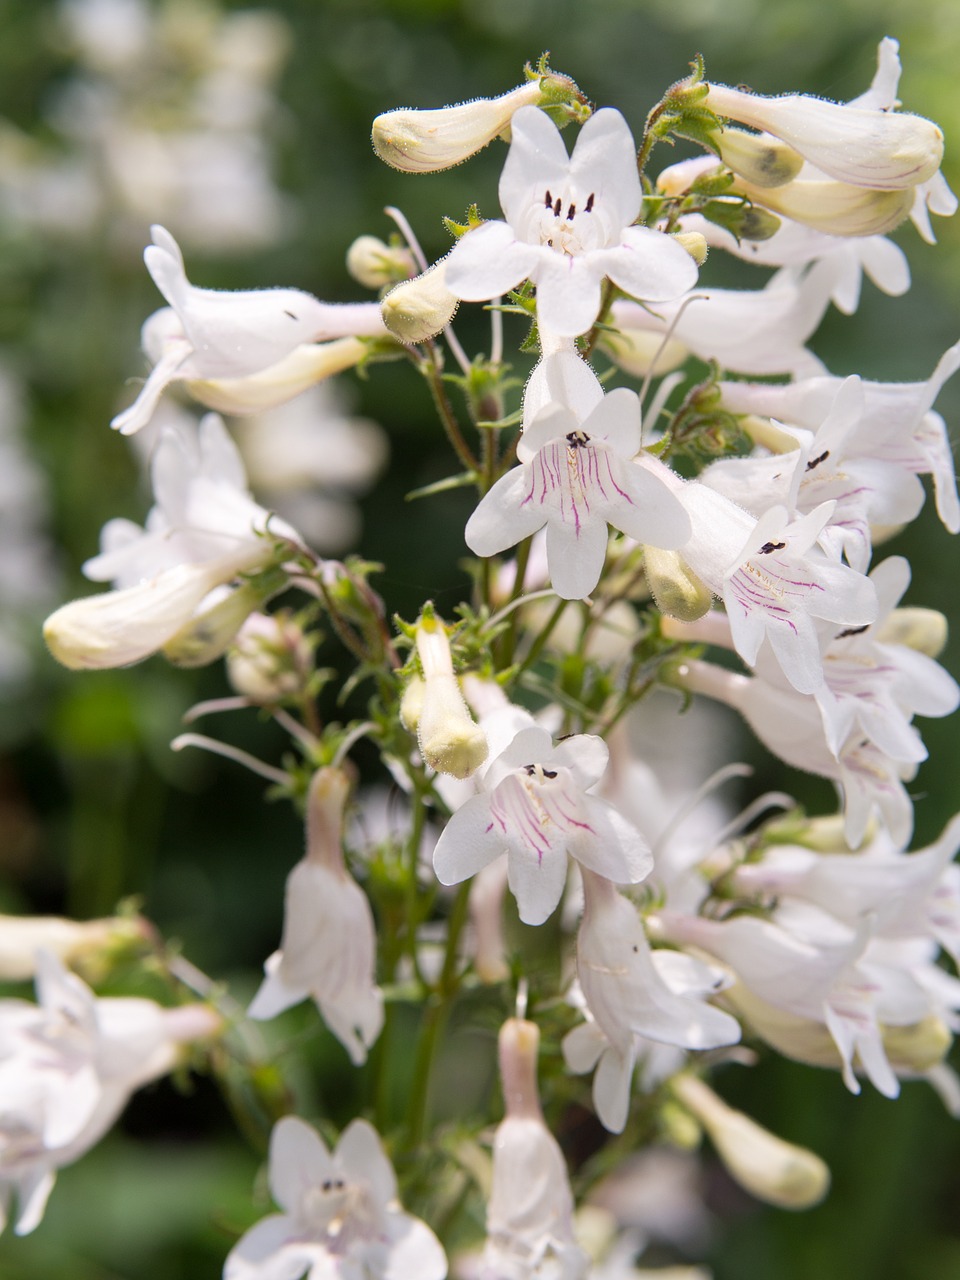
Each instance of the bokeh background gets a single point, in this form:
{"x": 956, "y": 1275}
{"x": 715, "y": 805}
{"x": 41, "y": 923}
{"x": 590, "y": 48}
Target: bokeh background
{"x": 250, "y": 142}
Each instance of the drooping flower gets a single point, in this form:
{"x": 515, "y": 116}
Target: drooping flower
{"x": 536, "y": 807}
{"x": 629, "y": 999}
{"x": 212, "y": 334}
{"x": 530, "y": 1212}
{"x": 67, "y": 1068}
{"x": 328, "y": 950}
{"x": 569, "y": 224}
{"x": 576, "y": 477}
{"x": 341, "y": 1219}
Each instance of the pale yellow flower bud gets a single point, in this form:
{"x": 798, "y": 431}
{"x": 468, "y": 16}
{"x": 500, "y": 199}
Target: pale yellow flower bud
{"x": 677, "y": 590}
{"x": 419, "y": 308}
{"x": 304, "y": 367}
{"x": 768, "y": 1167}
{"x": 922, "y": 629}
{"x": 836, "y": 208}
{"x": 764, "y": 161}
{"x": 428, "y": 141}
{"x": 449, "y": 740}
{"x": 374, "y": 263}
{"x": 641, "y": 351}
{"x": 695, "y": 244}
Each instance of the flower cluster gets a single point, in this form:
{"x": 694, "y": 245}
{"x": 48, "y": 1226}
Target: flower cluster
{"x": 657, "y": 519}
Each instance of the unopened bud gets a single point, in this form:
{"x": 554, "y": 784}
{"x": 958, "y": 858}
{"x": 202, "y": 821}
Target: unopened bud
{"x": 695, "y": 244}
{"x": 643, "y": 351}
{"x": 419, "y": 308}
{"x": 209, "y": 634}
{"x": 764, "y": 161}
{"x": 449, "y": 740}
{"x": 72, "y": 941}
{"x": 924, "y": 630}
{"x": 918, "y": 1047}
{"x": 271, "y": 658}
{"x": 884, "y": 150}
{"x": 303, "y": 368}
{"x": 836, "y": 208}
{"x": 374, "y": 263}
{"x": 326, "y": 802}
{"x": 411, "y": 704}
{"x": 519, "y": 1045}
{"x": 428, "y": 141}
{"x": 768, "y": 1167}
{"x": 677, "y": 590}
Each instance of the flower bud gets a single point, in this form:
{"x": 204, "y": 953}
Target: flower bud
{"x": 209, "y": 634}
{"x": 643, "y": 351}
{"x": 836, "y": 208}
{"x": 118, "y": 628}
{"x": 374, "y": 263}
{"x": 271, "y": 658}
{"x": 419, "y": 308}
{"x": 764, "y": 161}
{"x": 768, "y": 1167}
{"x": 428, "y": 141}
{"x": 695, "y": 244}
{"x": 924, "y": 630}
{"x": 303, "y": 368}
{"x": 884, "y": 150}
{"x": 21, "y": 937}
{"x": 677, "y": 590}
{"x": 449, "y": 740}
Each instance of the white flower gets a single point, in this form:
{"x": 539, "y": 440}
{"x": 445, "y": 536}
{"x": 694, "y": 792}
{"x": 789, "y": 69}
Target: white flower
{"x": 752, "y": 331}
{"x": 568, "y": 226}
{"x": 67, "y": 1067}
{"x": 450, "y": 741}
{"x": 774, "y": 582}
{"x": 530, "y": 1213}
{"x": 575, "y": 478}
{"x": 211, "y": 334}
{"x": 341, "y": 1218}
{"x": 630, "y": 995}
{"x": 204, "y": 530}
{"x": 329, "y": 945}
{"x": 536, "y": 808}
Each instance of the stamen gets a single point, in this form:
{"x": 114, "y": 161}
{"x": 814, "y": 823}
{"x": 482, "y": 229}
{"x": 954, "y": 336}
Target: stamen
{"x": 815, "y": 462}
{"x": 549, "y": 201}
{"x": 589, "y": 206}
{"x": 557, "y": 207}
{"x": 570, "y": 212}
{"x": 771, "y": 546}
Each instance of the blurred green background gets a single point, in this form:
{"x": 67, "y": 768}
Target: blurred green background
{"x": 94, "y": 806}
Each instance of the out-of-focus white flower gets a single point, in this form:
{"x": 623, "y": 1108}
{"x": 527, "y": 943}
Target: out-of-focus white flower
{"x": 328, "y": 950}
{"x": 211, "y": 334}
{"x": 23, "y": 937}
{"x": 576, "y": 477}
{"x": 530, "y": 1212}
{"x": 67, "y": 1067}
{"x": 631, "y": 994}
{"x": 569, "y": 224}
{"x": 536, "y": 807}
{"x": 204, "y": 530}
{"x": 341, "y": 1219}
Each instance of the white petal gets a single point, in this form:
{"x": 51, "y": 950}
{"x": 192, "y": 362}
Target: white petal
{"x": 360, "y": 1154}
{"x": 568, "y": 292}
{"x": 604, "y": 160}
{"x": 487, "y": 262}
{"x": 506, "y": 514}
{"x": 537, "y": 884}
{"x": 575, "y": 556}
{"x": 414, "y": 1251}
{"x": 611, "y": 1088}
{"x": 299, "y": 1160}
{"x": 268, "y": 1251}
{"x": 537, "y": 159}
{"x": 467, "y": 843}
{"x": 650, "y": 266}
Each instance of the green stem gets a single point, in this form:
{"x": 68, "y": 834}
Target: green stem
{"x": 537, "y": 647}
{"x": 448, "y": 418}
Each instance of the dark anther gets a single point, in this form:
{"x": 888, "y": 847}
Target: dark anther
{"x": 530, "y": 770}
{"x": 589, "y": 208}
{"x": 771, "y": 546}
{"x": 327, "y": 1184}
{"x": 636, "y": 949}
{"x": 289, "y": 313}
{"x": 576, "y": 439}
{"x": 854, "y": 631}
{"x": 815, "y": 462}
{"x": 557, "y": 206}
{"x": 549, "y": 200}
{"x": 549, "y": 773}
{"x": 570, "y": 212}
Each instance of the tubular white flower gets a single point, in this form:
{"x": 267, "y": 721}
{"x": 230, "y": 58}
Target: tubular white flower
{"x": 449, "y": 740}
{"x": 68, "y": 1067}
{"x": 328, "y": 949}
{"x": 208, "y": 334}
{"x": 22, "y": 937}
{"x": 530, "y": 1212}
{"x": 536, "y": 807}
{"x": 835, "y": 208}
{"x": 628, "y": 998}
{"x": 884, "y": 150}
{"x": 568, "y": 226}
{"x": 429, "y": 141}
{"x": 576, "y": 477}
{"x": 341, "y": 1218}
{"x": 773, "y": 1170}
